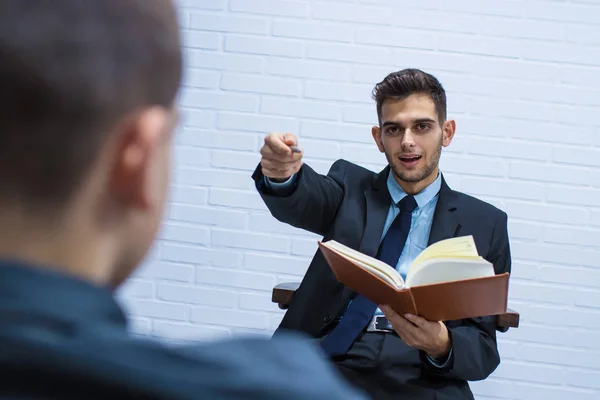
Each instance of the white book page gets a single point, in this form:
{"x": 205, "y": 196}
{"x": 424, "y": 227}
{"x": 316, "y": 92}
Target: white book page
{"x": 391, "y": 278}
{"x": 374, "y": 265}
{"x": 439, "y": 270}
{"x": 457, "y": 246}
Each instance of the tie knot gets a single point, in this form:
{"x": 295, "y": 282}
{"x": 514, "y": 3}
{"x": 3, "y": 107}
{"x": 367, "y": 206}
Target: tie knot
{"x": 407, "y": 204}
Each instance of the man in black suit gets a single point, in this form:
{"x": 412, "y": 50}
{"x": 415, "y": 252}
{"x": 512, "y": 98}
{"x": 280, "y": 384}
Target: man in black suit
{"x": 390, "y": 356}
{"x": 87, "y": 115}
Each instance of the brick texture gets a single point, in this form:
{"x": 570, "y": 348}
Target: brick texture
{"x": 523, "y": 83}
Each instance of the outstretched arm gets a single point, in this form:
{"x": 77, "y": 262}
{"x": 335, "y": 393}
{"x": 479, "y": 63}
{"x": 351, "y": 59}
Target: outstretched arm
{"x": 298, "y": 195}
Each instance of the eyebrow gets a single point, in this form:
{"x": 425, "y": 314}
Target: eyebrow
{"x": 416, "y": 121}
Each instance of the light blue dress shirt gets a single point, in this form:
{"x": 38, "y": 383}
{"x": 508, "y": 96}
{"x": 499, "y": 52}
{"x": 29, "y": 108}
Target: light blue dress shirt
{"x": 420, "y": 227}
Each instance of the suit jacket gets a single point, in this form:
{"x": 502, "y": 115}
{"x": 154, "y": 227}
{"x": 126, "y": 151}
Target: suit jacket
{"x": 63, "y": 338}
{"x": 350, "y": 205}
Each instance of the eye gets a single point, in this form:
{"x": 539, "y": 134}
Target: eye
{"x": 393, "y": 130}
{"x": 423, "y": 127}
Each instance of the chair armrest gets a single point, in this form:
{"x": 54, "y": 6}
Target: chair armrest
{"x": 283, "y": 294}
{"x": 509, "y": 319}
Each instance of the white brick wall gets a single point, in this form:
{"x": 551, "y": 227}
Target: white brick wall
{"x": 523, "y": 81}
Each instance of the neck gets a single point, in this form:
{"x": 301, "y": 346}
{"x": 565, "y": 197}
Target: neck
{"x": 67, "y": 245}
{"x": 414, "y": 188}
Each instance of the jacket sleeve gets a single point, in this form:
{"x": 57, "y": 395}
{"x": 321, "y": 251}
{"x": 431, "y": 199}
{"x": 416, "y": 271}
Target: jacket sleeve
{"x": 308, "y": 201}
{"x": 474, "y": 347}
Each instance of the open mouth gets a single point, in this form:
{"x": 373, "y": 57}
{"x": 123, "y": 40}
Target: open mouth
{"x": 410, "y": 159}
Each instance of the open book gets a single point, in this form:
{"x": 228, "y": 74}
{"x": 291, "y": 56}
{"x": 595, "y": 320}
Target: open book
{"x": 448, "y": 280}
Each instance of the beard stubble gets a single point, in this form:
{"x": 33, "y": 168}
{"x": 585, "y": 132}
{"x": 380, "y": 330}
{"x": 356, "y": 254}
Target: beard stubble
{"x": 431, "y": 162}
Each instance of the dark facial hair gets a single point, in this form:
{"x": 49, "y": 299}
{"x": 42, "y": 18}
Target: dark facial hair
{"x": 424, "y": 173}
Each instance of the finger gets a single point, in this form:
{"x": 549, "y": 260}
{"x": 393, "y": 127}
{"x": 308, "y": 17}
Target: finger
{"x": 404, "y": 325}
{"x": 390, "y": 314}
{"x": 387, "y": 310}
{"x": 416, "y": 320}
{"x": 398, "y": 322}
{"x": 290, "y": 156}
{"x": 277, "y": 160}
{"x": 290, "y": 139}
{"x": 278, "y": 145}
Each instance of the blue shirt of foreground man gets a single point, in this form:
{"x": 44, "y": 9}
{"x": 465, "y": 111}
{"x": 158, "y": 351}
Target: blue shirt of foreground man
{"x": 86, "y": 125}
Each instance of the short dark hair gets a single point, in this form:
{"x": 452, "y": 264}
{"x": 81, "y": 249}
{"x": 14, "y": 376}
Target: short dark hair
{"x": 70, "y": 70}
{"x": 401, "y": 84}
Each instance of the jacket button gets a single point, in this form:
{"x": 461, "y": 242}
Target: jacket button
{"x": 327, "y": 318}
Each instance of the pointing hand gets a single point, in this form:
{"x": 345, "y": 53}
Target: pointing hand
{"x": 281, "y": 157}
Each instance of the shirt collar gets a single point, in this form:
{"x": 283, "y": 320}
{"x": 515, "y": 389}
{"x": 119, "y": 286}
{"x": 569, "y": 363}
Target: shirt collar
{"x": 422, "y": 198}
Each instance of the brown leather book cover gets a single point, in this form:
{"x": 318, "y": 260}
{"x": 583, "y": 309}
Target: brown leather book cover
{"x": 445, "y": 301}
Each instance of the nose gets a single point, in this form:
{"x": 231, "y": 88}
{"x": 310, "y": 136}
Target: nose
{"x": 408, "y": 139}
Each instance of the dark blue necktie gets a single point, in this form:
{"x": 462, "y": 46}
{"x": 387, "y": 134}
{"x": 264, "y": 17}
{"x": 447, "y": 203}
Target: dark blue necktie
{"x": 361, "y": 310}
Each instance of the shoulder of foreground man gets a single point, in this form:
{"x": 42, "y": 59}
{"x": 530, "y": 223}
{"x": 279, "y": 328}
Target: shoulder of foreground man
{"x": 288, "y": 366}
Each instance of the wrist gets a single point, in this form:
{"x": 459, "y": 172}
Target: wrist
{"x": 278, "y": 180}
{"x": 442, "y": 350}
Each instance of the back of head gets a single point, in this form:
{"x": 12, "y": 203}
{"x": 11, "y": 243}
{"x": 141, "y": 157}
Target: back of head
{"x": 87, "y": 91}
{"x": 76, "y": 78}
{"x": 70, "y": 71}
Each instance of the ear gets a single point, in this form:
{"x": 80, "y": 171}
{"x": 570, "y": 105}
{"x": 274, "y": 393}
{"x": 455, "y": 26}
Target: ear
{"x": 132, "y": 180}
{"x": 448, "y": 132}
{"x": 376, "y": 132}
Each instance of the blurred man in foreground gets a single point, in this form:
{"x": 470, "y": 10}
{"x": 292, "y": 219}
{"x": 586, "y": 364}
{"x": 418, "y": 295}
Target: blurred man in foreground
{"x": 86, "y": 123}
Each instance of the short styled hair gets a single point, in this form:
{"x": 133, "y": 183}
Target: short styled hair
{"x": 402, "y": 84}
{"x": 70, "y": 71}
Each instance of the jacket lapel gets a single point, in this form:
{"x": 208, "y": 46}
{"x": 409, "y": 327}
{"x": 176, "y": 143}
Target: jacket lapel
{"x": 445, "y": 222}
{"x": 377, "y": 200}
